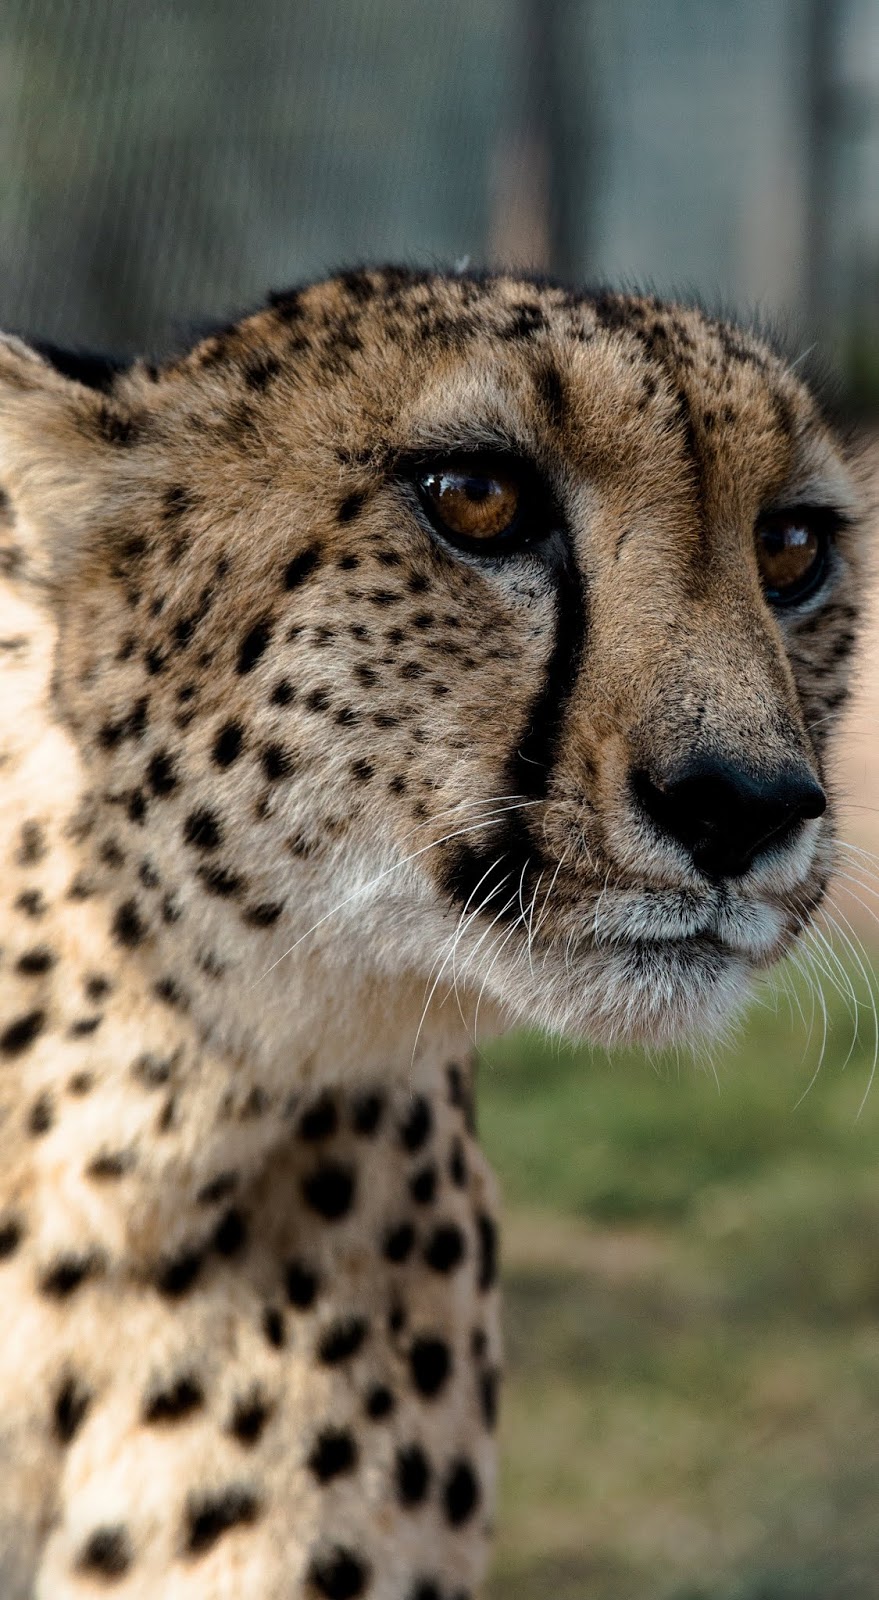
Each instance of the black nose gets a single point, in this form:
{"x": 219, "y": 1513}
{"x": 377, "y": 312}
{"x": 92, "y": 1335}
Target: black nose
{"x": 726, "y": 816}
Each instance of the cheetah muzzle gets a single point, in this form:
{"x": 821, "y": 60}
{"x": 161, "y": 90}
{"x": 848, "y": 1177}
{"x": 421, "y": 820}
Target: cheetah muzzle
{"x": 418, "y": 656}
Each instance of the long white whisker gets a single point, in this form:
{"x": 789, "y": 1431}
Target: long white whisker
{"x": 356, "y": 894}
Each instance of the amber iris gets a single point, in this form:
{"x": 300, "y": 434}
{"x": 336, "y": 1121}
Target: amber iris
{"x": 470, "y": 503}
{"x": 791, "y": 553}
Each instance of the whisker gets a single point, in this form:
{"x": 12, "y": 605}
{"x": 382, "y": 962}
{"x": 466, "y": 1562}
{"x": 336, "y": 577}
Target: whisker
{"x": 363, "y": 889}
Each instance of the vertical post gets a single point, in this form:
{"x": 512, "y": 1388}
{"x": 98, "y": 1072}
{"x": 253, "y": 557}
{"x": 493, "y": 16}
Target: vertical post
{"x": 824, "y": 17}
{"x": 539, "y": 181}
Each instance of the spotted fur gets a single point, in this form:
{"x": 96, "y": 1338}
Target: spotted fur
{"x": 281, "y": 773}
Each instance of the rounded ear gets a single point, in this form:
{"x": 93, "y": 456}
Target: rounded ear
{"x": 63, "y": 468}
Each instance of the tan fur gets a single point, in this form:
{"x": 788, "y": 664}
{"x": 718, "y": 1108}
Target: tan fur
{"x": 258, "y": 727}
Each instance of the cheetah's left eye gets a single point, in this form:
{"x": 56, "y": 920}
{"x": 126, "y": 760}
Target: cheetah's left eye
{"x": 473, "y": 501}
{"x": 793, "y": 553}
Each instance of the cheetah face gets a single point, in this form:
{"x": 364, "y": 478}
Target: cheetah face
{"x": 457, "y": 632}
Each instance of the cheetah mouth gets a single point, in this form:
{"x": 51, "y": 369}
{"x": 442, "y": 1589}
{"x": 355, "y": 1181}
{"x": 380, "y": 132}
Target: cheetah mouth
{"x": 682, "y": 923}
{"x": 677, "y": 967}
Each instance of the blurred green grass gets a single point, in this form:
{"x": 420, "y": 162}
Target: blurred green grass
{"x": 692, "y": 1317}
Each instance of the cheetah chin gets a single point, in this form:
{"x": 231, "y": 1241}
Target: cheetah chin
{"x": 417, "y": 656}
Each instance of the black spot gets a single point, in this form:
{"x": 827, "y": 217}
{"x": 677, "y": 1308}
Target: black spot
{"x": 231, "y": 1233}
{"x": 351, "y": 507}
{"x": 399, "y": 1243}
{"x": 488, "y": 1398}
{"x": 225, "y": 885}
{"x": 460, "y": 1493}
{"x": 526, "y": 319}
{"x": 412, "y": 1473}
{"x": 148, "y": 875}
{"x": 347, "y": 717}
{"x": 320, "y": 1120}
{"x": 334, "y": 1453}
{"x": 80, "y": 1083}
{"x": 170, "y": 992}
{"x": 551, "y": 394}
{"x": 457, "y": 1089}
{"x": 367, "y": 1113}
{"x": 458, "y": 1164}
{"x": 33, "y": 844}
{"x": 379, "y": 1403}
{"x": 128, "y": 926}
{"x": 301, "y": 567}
{"x": 446, "y": 1248}
{"x": 218, "y": 1189}
{"x": 136, "y": 721}
{"x": 259, "y": 371}
{"x": 283, "y": 693}
{"x": 107, "y": 1551}
{"x": 425, "y": 1589}
{"x": 422, "y": 1185}
{"x": 161, "y": 776}
{"x": 175, "y": 1402}
{"x": 178, "y": 1274}
{"x": 152, "y": 1070}
{"x": 318, "y": 700}
{"x": 341, "y": 1340}
{"x": 276, "y": 762}
{"x": 113, "y": 1164}
{"x": 397, "y": 1318}
{"x": 68, "y": 1413}
{"x": 339, "y": 1575}
{"x": 34, "y": 962}
{"x": 249, "y": 1418}
{"x": 110, "y": 853}
{"x": 41, "y": 1115}
{"x": 155, "y": 661}
{"x": 175, "y": 501}
{"x": 418, "y": 1126}
{"x": 330, "y": 1190}
{"x": 430, "y": 1363}
{"x": 487, "y": 1235}
{"x": 202, "y": 829}
{"x": 302, "y": 1285}
{"x": 20, "y": 1034}
{"x": 11, "y": 1234}
{"x": 253, "y": 645}
{"x": 273, "y": 1327}
{"x": 67, "y": 1273}
{"x": 263, "y": 915}
{"x": 227, "y": 745}
{"x": 348, "y": 563}
{"x": 209, "y": 1516}
{"x": 31, "y": 902}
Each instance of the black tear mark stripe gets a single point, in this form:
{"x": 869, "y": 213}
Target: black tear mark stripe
{"x": 490, "y": 871}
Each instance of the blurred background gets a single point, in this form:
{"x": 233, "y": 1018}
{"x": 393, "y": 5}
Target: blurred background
{"x": 692, "y": 1406}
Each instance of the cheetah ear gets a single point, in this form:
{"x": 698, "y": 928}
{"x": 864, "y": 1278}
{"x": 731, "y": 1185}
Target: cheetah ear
{"x": 63, "y": 474}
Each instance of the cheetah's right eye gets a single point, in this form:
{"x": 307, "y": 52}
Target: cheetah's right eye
{"x": 473, "y": 501}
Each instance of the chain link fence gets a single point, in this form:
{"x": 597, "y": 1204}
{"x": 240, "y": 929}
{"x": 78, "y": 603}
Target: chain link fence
{"x": 164, "y": 163}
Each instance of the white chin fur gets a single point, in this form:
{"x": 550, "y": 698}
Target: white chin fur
{"x": 653, "y": 992}
{"x": 669, "y": 993}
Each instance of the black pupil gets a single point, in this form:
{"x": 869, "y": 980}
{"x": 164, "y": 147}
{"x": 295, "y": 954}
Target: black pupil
{"x": 477, "y": 488}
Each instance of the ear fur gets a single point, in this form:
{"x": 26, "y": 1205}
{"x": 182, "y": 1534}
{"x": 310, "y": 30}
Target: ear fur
{"x": 65, "y": 466}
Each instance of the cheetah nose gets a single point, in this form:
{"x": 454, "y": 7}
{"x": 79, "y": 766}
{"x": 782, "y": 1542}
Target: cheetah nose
{"x": 727, "y": 816}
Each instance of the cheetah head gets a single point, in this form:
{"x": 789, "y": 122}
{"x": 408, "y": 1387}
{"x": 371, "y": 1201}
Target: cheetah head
{"x": 448, "y": 634}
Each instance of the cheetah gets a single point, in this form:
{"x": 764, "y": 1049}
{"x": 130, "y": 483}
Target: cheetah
{"x": 420, "y": 656}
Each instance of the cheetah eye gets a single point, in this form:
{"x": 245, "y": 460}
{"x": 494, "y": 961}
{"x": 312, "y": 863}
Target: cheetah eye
{"x": 793, "y": 552}
{"x": 474, "y": 501}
